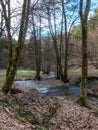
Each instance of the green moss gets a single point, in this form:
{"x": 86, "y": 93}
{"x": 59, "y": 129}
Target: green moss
{"x": 4, "y": 102}
{"x": 34, "y": 122}
{"x": 47, "y": 117}
{"x": 82, "y": 101}
{"x": 21, "y": 119}
{"x": 21, "y": 73}
{"x": 40, "y": 128}
{"x": 26, "y": 115}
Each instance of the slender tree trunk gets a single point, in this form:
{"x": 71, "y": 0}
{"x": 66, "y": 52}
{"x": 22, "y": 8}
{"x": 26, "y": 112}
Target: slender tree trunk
{"x": 59, "y": 66}
{"x": 48, "y": 63}
{"x": 37, "y": 50}
{"x": 54, "y": 37}
{"x": 84, "y": 62}
{"x": 37, "y": 59}
{"x": 66, "y": 60}
{"x": 10, "y": 54}
{"x": 57, "y": 72}
{"x": 84, "y": 16}
{"x": 65, "y": 79}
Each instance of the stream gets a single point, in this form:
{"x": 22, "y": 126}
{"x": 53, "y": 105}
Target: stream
{"x": 42, "y": 87}
{"x": 49, "y": 90}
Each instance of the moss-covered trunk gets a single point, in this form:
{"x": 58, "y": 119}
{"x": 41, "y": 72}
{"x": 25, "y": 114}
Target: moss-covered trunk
{"x": 84, "y": 18}
{"x": 9, "y": 80}
{"x": 10, "y": 54}
{"x": 83, "y": 92}
{"x": 58, "y": 60}
{"x": 12, "y": 68}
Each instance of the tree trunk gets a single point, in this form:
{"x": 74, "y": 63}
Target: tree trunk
{"x": 83, "y": 90}
{"x": 13, "y": 67}
{"x": 10, "y": 54}
{"x": 37, "y": 50}
{"x": 59, "y": 66}
{"x": 65, "y": 79}
{"x": 57, "y": 72}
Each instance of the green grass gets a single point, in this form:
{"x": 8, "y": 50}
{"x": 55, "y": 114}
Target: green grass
{"x": 74, "y": 73}
{"x": 20, "y": 74}
{"x": 2, "y": 77}
{"x": 25, "y": 74}
{"x": 92, "y": 72}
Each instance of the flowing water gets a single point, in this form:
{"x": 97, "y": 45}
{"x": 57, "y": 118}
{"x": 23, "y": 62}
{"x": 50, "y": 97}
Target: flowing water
{"x": 50, "y": 90}
{"x": 59, "y": 90}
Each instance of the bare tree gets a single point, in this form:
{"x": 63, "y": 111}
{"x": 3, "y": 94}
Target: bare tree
{"x": 36, "y": 37}
{"x": 67, "y": 29}
{"x": 61, "y": 45}
{"x": 51, "y": 16}
{"x": 84, "y": 19}
{"x": 47, "y": 52}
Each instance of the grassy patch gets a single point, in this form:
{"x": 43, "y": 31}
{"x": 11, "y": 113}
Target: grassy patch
{"x": 74, "y": 73}
{"x": 25, "y": 74}
{"x": 20, "y": 74}
{"x": 93, "y": 72}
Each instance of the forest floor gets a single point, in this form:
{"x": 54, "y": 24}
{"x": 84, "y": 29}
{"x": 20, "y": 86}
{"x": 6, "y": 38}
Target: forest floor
{"x": 31, "y": 111}
{"x": 25, "y": 109}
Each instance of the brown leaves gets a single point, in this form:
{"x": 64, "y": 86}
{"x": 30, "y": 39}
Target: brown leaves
{"x": 55, "y": 113}
{"x": 74, "y": 117}
{"x": 8, "y": 122}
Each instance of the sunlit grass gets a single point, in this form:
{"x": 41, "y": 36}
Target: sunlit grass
{"x": 25, "y": 74}
{"x": 20, "y": 74}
